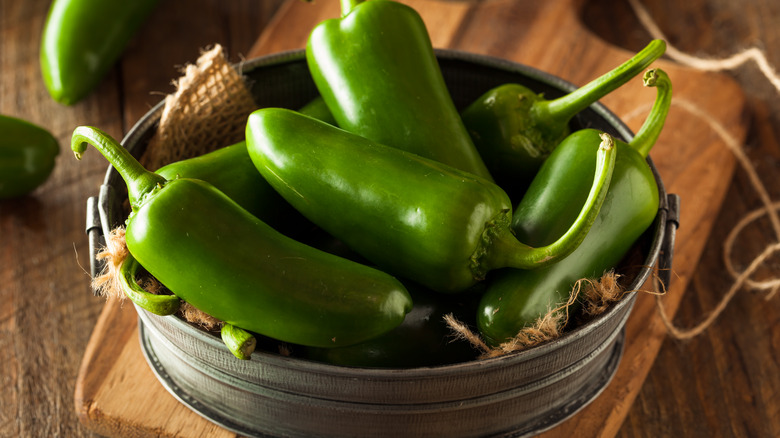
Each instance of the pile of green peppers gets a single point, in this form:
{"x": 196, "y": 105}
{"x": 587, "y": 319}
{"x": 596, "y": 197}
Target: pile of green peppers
{"x": 350, "y": 226}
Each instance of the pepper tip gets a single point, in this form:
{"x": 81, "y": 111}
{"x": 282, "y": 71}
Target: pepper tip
{"x": 607, "y": 142}
{"x": 650, "y": 78}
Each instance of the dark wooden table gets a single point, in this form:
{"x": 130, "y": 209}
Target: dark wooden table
{"x": 725, "y": 382}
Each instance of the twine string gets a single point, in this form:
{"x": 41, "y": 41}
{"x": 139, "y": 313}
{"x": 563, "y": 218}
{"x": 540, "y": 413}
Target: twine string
{"x": 682, "y": 333}
{"x": 771, "y": 285}
{"x": 770, "y": 208}
{"x": 708, "y": 64}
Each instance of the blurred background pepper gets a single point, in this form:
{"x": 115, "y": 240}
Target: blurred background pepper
{"x": 27, "y": 156}
{"x": 82, "y": 39}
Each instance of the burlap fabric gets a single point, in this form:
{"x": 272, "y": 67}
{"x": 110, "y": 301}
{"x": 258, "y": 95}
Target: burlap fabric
{"x": 208, "y": 110}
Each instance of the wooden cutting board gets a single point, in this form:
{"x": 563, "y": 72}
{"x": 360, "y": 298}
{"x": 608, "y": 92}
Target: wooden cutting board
{"x": 118, "y": 395}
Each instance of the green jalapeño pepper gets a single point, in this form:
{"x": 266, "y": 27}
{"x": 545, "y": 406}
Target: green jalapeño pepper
{"x": 82, "y": 39}
{"x": 417, "y": 218}
{"x": 215, "y": 255}
{"x": 318, "y": 109}
{"x": 230, "y": 170}
{"x": 515, "y": 129}
{"x": 159, "y": 304}
{"x": 516, "y": 298}
{"x": 27, "y": 156}
{"x": 376, "y": 69}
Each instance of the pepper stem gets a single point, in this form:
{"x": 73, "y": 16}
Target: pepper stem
{"x": 348, "y": 5}
{"x": 504, "y": 249}
{"x": 648, "y": 134}
{"x": 240, "y": 342}
{"x": 139, "y": 181}
{"x": 157, "y": 304}
{"x": 562, "y": 109}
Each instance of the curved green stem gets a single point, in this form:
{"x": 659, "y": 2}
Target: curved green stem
{"x": 239, "y": 341}
{"x": 348, "y": 5}
{"x": 157, "y": 304}
{"x": 505, "y": 251}
{"x": 562, "y": 109}
{"x": 648, "y": 134}
{"x": 140, "y": 181}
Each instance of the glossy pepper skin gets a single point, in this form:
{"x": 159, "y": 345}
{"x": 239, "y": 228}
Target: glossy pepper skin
{"x": 214, "y": 254}
{"x": 376, "y": 69}
{"x": 318, "y": 109}
{"x": 515, "y": 129}
{"x": 82, "y": 39}
{"x": 515, "y": 298}
{"x": 417, "y": 218}
{"x": 27, "y": 156}
{"x": 230, "y": 170}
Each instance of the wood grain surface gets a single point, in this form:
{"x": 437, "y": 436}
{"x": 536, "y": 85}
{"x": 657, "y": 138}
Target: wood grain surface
{"x": 723, "y": 383}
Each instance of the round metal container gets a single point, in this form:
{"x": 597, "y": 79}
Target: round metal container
{"x": 271, "y": 395}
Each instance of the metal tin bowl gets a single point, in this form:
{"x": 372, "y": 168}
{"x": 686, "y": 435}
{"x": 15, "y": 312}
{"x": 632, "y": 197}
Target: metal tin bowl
{"x": 272, "y": 395}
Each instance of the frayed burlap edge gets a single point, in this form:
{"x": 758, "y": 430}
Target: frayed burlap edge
{"x": 112, "y": 255}
{"x": 599, "y": 294}
{"x": 596, "y": 297}
{"x": 208, "y": 110}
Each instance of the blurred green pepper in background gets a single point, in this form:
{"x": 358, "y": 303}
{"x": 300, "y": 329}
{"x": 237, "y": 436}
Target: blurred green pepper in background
{"x": 82, "y": 39}
{"x": 27, "y": 156}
